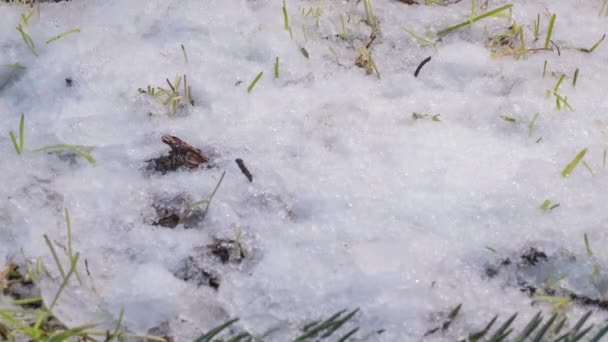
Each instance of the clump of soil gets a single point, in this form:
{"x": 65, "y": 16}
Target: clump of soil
{"x": 177, "y": 210}
{"x": 182, "y": 155}
{"x": 560, "y": 273}
{"x": 227, "y": 250}
{"x": 17, "y": 286}
{"x": 190, "y": 271}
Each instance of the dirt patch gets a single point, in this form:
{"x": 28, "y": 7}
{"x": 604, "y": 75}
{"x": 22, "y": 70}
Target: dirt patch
{"x": 181, "y": 156}
{"x": 180, "y": 209}
{"x": 191, "y": 271}
{"x": 538, "y": 272}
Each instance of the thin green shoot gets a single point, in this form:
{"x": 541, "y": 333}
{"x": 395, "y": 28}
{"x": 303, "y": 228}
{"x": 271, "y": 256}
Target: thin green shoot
{"x": 184, "y": 53}
{"x": 207, "y": 201}
{"x": 19, "y": 146}
{"x": 587, "y": 245}
{"x": 208, "y": 337}
{"x": 14, "y": 66}
{"x": 369, "y": 15}
{"x": 76, "y": 149}
{"x": 188, "y": 90}
{"x": 508, "y": 119}
{"x": 532, "y": 123}
{"x": 424, "y": 41}
{"x": 26, "y": 16}
{"x": 549, "y": 31}
{"x": 69, "y": 249}
{"x": 118, "y": 327}
{"x": 55, "y": 255}
{"x": 61, "y": 35}
{"x": 559, "y": 82}
{"x": 276, "y": 67}
{"x": 545, "y": 205}
{"x": 491, "y": 249}
{"x": 544, "y": 68}
{"x": 304, "y": 53}
{"x": 255, "y": 80}
{"x": 522, "y": 41}
{"x": 65, "y": 281}
{"x": 304, "y": 33}
{"x": 472, "y": 20}
{"x": 536, "y": 27}
{"x": 539, "y": 140}
{"x": 343, "y": 35}
{"x": 575, "y": 77}
{"x": 588, "y": 168}
{"x": 562, "y": 100}
{"x": 27, "y": 40}
{"x": 286, "y": 19}
{"x": 577, "y": 159}
{"x": 590, "y": 50}
{"x": 472, "y": 15}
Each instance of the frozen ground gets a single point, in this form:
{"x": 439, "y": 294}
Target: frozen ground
{"x": 354, "y": 203}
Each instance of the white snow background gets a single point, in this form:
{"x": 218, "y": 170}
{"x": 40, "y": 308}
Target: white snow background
{"x": 354, "y": 203}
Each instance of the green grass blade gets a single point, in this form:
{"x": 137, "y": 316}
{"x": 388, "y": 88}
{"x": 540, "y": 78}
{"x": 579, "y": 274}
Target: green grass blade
{"x": 21, "y": 132}
{"x": 276, "y": 67}
{"x": 215, "y": 331}
{"x": 55, "y": 256}
{"x": 474, "y": 337}
{"x": 598, "y": 336}
{"x": 549, "y": 31}
{"x": 65, "y": 281}
{"x": 503, "y": 328}
{"x": 66, "y": 334}
{"x": 543, "y": 330}
{"x": 570, "y": 167}
{"x": 472, "y": 20}
{"x": 61, "y": 35}
{"x": 590, "y": 50}
{"x": 348, "y": 335}
{"x": 255, "y": 80}
{"x": 14, "y": 140}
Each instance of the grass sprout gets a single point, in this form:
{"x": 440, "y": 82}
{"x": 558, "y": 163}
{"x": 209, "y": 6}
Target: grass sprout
{"x": 471, "y": 20}
{"x": 577, "y": 159}
{"x": 184, "y": 53}
{"x": 549, "y": 31}
{"x": 276, "y": 67}
{"x": 424, "y": 41}
{"x": 27, "y": 40}
{"x": 532, "y": 123}
{"x": 172, "y": 97}
{"x": 14, "y": 66}
{"x": 575, "y": 77}
{"x": 286, "y": 20}
{"x": 559, "y": 82}
{"x": 61, "y": 35}
{"x": 591, "y": 49}
{"x": 536, "y": 27}
{"x": 369, "y": 17}
{"x": 81, "y": 151}
{"x": 255, "y": 80}
{"x": 19, "y": 145}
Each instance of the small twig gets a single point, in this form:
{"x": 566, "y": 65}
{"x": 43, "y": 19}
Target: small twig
{"x": 244, "y": 169}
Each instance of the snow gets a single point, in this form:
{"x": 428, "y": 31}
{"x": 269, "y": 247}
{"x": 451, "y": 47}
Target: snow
{"x": 353, "y": 202}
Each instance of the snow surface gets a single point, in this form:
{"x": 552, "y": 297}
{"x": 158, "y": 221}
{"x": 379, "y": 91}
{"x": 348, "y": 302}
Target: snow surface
{"x": 354, "y": 203}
